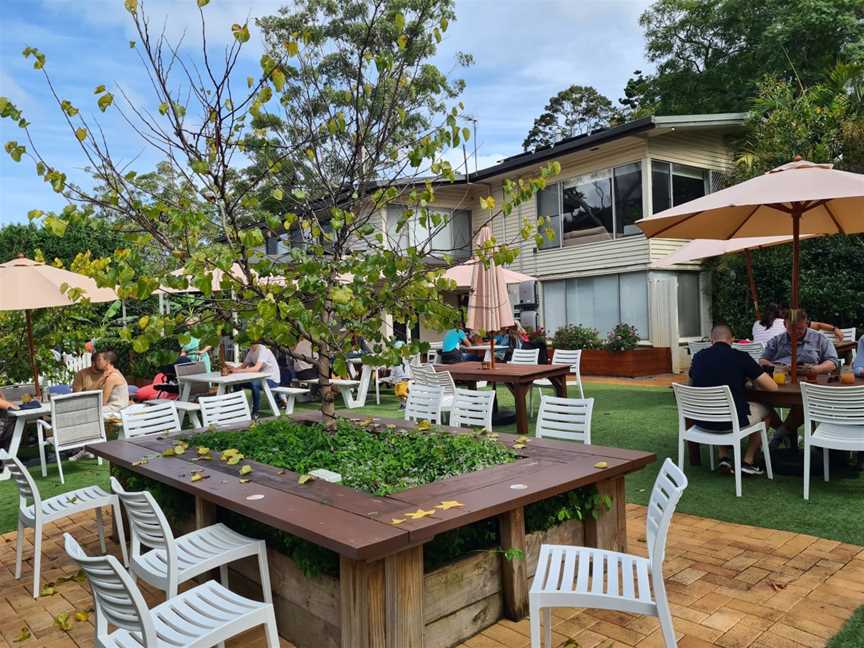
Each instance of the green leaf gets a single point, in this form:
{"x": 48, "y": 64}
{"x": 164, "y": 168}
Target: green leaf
{"x": 131, "y": 5}
{"x": 163, "y": 108}
{"x": 241, "y": 32}
{"x": 55, "y": 225}
{"x": 292, "y": 48}
{"x": 81, "y": 134}
{"x": 104, "y": 101}
{"x": 99, "y": 89}
{"x": 277, "y": 193}
{"x": 67, "y": 107}
{"x": 33, "y": 214}
{"x": 278, "y": 78}
{"x": 131, "y": 44}
{"x": 203, "y": 3}
{"x": 402, "y": 41}
{"x": 399, "y": 21}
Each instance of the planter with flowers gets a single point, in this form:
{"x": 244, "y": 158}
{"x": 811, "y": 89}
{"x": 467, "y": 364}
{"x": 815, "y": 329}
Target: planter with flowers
{"x": 618, "y": 355}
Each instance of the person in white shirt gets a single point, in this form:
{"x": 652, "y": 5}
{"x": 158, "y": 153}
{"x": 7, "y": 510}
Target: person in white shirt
{"x": 259, "y": 359}
{"x": 769, "y": 325}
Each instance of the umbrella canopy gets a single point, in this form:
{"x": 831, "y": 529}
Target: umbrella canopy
{"x": 463, "y": 274}
{"x": 794, "y": 199}
{"x": 29, "y": 284}
{"x": 699, "y": 249}
{"x": 489, "y": 307}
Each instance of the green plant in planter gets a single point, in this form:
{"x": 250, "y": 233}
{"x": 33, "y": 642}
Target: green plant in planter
{"x": 576, "y": 336}
{"x": 624, "y": 337}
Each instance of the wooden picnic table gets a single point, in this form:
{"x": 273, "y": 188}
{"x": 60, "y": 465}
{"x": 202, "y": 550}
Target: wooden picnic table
{"x": 519, "y": 379}
{"x": 788, "y": 394}
{"x": 359, "y": 527}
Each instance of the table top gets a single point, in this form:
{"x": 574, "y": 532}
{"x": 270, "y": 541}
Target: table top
{"x": 484, "y": 347}
{"x": 217, "y": 378}
{"x": 358, "y": 525}
{"x": 45, "y": 410}
{"x": 503, "y": 372}
{"x": 795, "y": 388}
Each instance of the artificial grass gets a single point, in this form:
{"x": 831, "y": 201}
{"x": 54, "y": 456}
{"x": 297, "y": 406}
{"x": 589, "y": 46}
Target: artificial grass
{"x": 852, "y": 634}
{"x": 641, "y": 418}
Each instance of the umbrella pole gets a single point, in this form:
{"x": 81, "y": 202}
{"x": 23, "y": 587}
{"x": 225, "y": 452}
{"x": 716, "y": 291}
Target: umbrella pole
{"x": 29, "y": 315}
{"x": 492, "y": 351}
{"x": 796, "y": 271}
{"x": 748, "y": 259}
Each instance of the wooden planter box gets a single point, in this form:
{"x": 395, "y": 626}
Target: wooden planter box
{"x": 459, "y": 600}
{"x": 630, "y": 364}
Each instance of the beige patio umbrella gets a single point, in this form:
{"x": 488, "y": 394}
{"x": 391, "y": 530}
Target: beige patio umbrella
{"x": 463, "y": 274}
{"x": 489, "y": 307}
{"x": 799, "y": 198}
{"x": 28, "y": 285}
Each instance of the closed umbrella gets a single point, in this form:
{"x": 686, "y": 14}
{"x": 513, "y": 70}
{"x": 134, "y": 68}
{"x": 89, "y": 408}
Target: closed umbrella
{"x": 799, "y": 198}
{"x": 463, "y": 274}
{"x": 27, "y": 285}
{"x": 489, "y": 307}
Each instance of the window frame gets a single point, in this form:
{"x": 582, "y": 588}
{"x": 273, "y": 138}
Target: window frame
{"x": 706, "y": 180}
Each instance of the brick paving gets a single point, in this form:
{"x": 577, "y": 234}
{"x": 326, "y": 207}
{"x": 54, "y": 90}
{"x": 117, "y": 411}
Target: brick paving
{"x": 729, "y": 585}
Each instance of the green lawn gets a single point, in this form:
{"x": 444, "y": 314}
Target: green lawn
{"x": 852, "y": 634}
{"x": 642, "y": 418}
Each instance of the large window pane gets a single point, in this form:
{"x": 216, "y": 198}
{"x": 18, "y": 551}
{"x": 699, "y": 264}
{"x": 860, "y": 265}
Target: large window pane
{"x": 661, "y": 186}
{"x": 606, "y": 305}
{"x": 554, "y": 316}
{"x": 628, "y": 198}
{"x": 460, "y": 227}
{"x": 547, "y": 206}
{"x": 397, "y": 240}
{"x": 634, "y": 301}
{"x": 688, "y": 183}
{"x": 587, "y": 209}
{"x": 689, "y": 312}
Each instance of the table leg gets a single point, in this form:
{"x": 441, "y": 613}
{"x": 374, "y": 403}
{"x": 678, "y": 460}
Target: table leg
{"x": 520, "y": 393}
{"x": 289, "y": 404}
{"x": 187, "y": 391}
{"x": 270, "y": 399}
{"x": 695, "y": 453}
{"x": 514, "y": 570}
{"x": 560, "y": 385}
{"x": 403, "y": 598}
{"x": 195, "y": 420}
{"x": 610, "y": 530}
{"x": 361, "y": 603}
{"x": 17, "y": 433}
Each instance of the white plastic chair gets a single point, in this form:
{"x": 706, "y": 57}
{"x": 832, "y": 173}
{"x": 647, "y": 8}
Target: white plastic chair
{"x": 34, "y": 512}
{"x": 201, "y": 617}
{"x": 424, "y": 403}
{"x": 715, "y": 405}
{"x": 473, "y": 409}
{"x": 141, "y": 420}
{"x": 525, "y": 357}
{"x": 427, "y": 375}
{"x": 696, "y": 347}
{"x": 172, "y": 561}
{"x": 833, "y": 420}
{"x": 565, "y": 418}
{"x": 849, "y": 334}
{"x": 432, "y": 356}
{"x": 562, "y": 356}
{"x": 225, "y": 409}
{"x": 753, "y": 349}
{"x": 585, "y": 577}
{"x": 76, "y": 421}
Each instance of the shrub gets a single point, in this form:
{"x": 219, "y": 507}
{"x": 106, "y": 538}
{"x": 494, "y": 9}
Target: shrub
{"x": 576, "y": 336}
{"x": 536, "y": 336}
{"x": 624, "y": 337}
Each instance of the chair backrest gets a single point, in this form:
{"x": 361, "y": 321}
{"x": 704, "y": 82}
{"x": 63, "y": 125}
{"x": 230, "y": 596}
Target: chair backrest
{"x": 525, "y": 356}
{"x": 28, "y": 492}
{"x": 849, "y": 334}
{"x": 424, "y": 403}
{"x": 424, "y": 374}
{"x": 565, "y": 418}
{"x": 189, "y": 368}
{"x": 572, "y": 357}
{"x": 17, "y": 392}
{"x": 432, "y": 356}
{"x": 839, "y": 406}
{"x": 709, "y": 404}
{"x": 444, "y": 379}
{"x": 696, "y": 347}
{"x": 76, "y": 419}
{"x": 148, "y": 524}
{"x": 116, "y": 597}
{"x": 226, "y": 409}
{"x": 668, "y": 488}
{"x": 754, "y": 349}
{"x": 472, "y": 409}
{"x": 150, "y": 419}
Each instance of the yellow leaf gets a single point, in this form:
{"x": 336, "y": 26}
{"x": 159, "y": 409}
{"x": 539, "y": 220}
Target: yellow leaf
{"x": 493, "y": 435}
{"x": 419, "y": 513}
{"x": 402, "y": 41}
{"x": 48, "y": 590}
{"x": 302, "y": 479}
{"x": 168, "y": 452}
{"x": 235, "y": 459}
{"x": 245, "y": 481}
{"x": 292, "y": 48}
{"x": 241, "y": 32}
{"x": 179, "y": 449}
{"x": 131, "y": 5}
{"x": 245, "y": 470}
{"x": 522, "y": 439}
{"x": 24, "y": 635}
{"x": 397, "y": 521}
{"x": 82, "y": 616}
{"x": 446, "y": 505}
{"x": 601, "y": 464}
{"x": 202, "y": 450}
{"x": 518, "y": 446}
{"x": 206, "y": 457}
{"x": 63, "y": 622}
{"x": 488, "y": 203}
{"x": 423, "y": 425}
{"x": 230, "y": 452}
{"x": 196, "y": 477}
{"x": 81, "y": 134}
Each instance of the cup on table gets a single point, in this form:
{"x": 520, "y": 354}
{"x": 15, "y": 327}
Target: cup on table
{"x": 780, "y": 375}
{"x": 847, "y": 376}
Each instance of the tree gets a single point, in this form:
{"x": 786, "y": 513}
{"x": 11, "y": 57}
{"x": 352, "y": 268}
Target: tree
{"x": 574, "y": 111}
{"x": 711, "y": 54}
{"x": 347, "y": 118}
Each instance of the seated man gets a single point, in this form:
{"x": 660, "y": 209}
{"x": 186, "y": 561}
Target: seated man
{"x": 720, "y": 364}
{"x": 816, "y": 355}
{"x": 7, "y": 423}
{"x": 115, "y": 389}
{"x": 858, "y": 364}
{"x": 89, "y": 378}
{"x": 450, "y": 346}
{"x": 259, "y": 359}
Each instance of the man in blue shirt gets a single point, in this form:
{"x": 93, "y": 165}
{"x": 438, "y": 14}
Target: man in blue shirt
{"x": 720, "y": 364}
{"x": 453, "y": 339}
{"x": 858, "y": 364}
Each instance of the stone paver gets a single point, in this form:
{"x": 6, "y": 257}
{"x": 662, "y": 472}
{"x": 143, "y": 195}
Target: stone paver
{"x": 729, "y": 585}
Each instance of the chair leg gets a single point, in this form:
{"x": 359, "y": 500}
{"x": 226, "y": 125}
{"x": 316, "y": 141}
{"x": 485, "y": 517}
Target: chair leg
{"x": 826, "y": 462}
{"x": 59, "y": 464}
{"x": 223, "y": 575}
{"x": 19, "y": 548}
{"x": 264, "y": 570}
{"x": 100, "y": 528}
{"x": 806, "y": 468}
{"x": 710, "y": 457}
{"x": 40, "y": 441}
{"x": 664, "y": 615}
{"x": 121, "y": 532}
{"x": 736, "y": 449}
{"x": 766, "y": 454}
{"x": 680, "y": 453}
{"x": 534, "y": 622}
{"x": 547, "y": 627}
{"x": 37, "y": 558}
{"x": 270, "y": 631}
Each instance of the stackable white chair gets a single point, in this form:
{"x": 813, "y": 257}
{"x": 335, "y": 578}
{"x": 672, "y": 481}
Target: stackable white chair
{"x": 585, "y": 577}
{"x": 427, "y": 375}
{"x": 696, "y": 347}
{"x": 753, "y": 349}
{"x": 473, "y": 409}
{"x": 76, "y": 421}
{"x": 225, "y": 409}
{"x": 715, "y": 405}
{"x": 432, "y": 356}
{"x": 141, "y": 420}
{"x": 201, "y": 617}
{"x": 34, "y": 512}
{"x": 833, "y": 420}
{"x": 562, "y": 356}
{"x": 565, "y": 418}
{"x": 424, "y": 403}
{"x": 525, "y": 356}
{"x": 172, "y": 561}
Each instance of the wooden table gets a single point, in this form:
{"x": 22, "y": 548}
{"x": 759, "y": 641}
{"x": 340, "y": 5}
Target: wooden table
{"x": 787, "y": 395}
{"x": 221, "y": 382}
{"x": 519, "y": 379}
{"x": 381, "y": 564}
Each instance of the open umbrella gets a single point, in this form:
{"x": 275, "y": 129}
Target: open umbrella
{"x": 799, "y": 198}
{"x": 27, "y": 285}
{"x": 489, "y": 307}
{"x": 463, "y": 274}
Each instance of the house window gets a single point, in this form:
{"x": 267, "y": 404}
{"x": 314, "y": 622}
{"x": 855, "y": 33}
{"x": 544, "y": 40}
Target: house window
{"x": 594, "y": 207}
{"x": 689, "y": 310}
{"x": 598, "y": 302}
{"x": 676, "y": 184}
{"x": 451, "y": 236}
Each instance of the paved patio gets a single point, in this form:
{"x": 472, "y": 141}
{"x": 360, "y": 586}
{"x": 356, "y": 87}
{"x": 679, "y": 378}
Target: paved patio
{"x": 730, "y": 585}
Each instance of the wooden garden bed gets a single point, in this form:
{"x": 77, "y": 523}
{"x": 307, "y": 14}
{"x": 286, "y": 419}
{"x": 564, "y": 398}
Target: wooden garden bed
{"x": 649, "y": 361}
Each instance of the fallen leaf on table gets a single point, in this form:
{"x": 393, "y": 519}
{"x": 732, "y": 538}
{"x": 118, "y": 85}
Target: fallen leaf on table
{"x": 777, "y": 587}
{"x": 245, "y": 470}
{"x": 518, "y": 446}
{"x": 601, "y": 464}
{"x": 24, "y": 635}
{"x": 183, "y": 443}
{"x": 82, "y": 616}
{"x": 198, "y": 477}
{"x": 233, "y": 460}
{"x": 448, "y": 504}
{"x": 206, "y": 457}
{"x": 202, "y": 450}
{"x": 522, "y": 439}
{"x": 245, "y": 481}
{"x": 179, "y": 449}
{"x": 63, "y": 621}
{"x": 493, "y": 435}
{"x": 302, "y": 479}
{"x": 230, "y": 452}
{"x": 397, "y": 521}
{"x": 168, "y": 452}
{"x": 48, "y": 590}
{"x": 419, "y": 513}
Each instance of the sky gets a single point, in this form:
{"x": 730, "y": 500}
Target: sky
{"x": 525, "y": 51}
